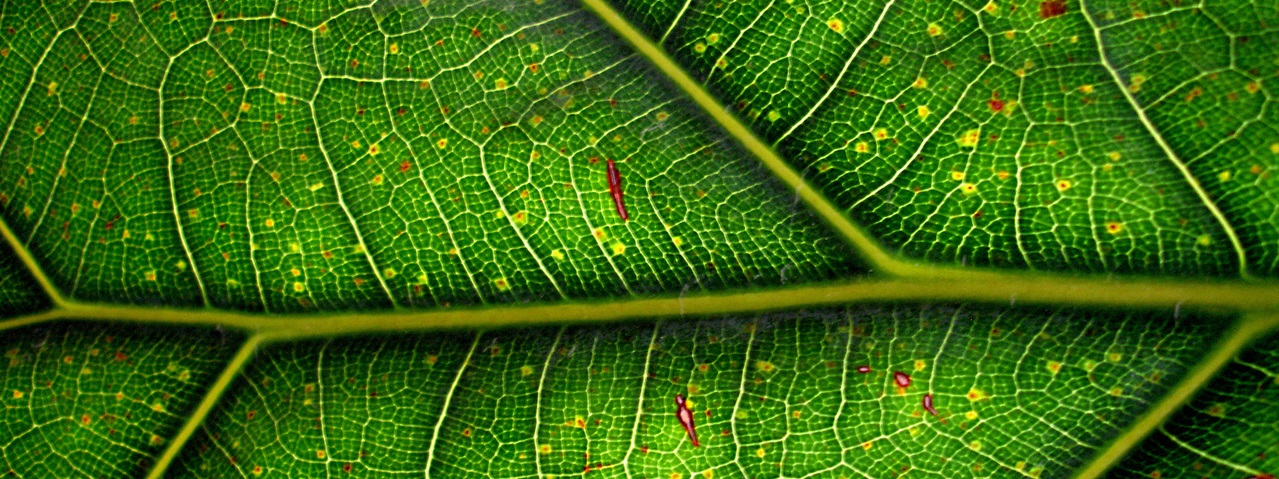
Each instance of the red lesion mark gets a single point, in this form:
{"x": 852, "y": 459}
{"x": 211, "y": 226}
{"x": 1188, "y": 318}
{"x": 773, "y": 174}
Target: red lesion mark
{"x": 346, "y": 468}
{"x": 405, "y": 166}
{"x": 902, "y": 379}
{"x": 475, "y": 32}
{"x": 1052, "y": 8}
{"x": 863, "y": 369}
{"x": 120, "y": 356}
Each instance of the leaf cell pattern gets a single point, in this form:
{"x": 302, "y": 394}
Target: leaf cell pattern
{"x": 18, "y": 292}
{"x": 1228, "y": 430}
{"x": 1017, "y": 393}
{"x": 307, "y": 156}
{"x": 83, "y": 400}
{"x": 1012, "y": 133}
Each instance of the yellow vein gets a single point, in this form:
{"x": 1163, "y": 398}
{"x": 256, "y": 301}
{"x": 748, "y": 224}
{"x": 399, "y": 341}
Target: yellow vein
{"x": 173, "y": 187}
{"x": 37, "y": 273}
{"x": 444, "y": 410}
{"x": 211, "y": 397}
{"x": 866, "y": 245}
{"x": 1004, "y": 289}
{"x": 1234, "y": 341}
{"x": 537, "y": 409}
{"x": 639, "y": 408}
{"x": 1163, "y": 144}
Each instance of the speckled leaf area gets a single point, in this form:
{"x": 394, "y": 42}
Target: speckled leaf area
{"x": 995, "y": 133}
{"x": 1230, "y": 429}
{"x": 313, "y": 156}
{"x": 83, "y": 400}
{"x": 802, "y": 394}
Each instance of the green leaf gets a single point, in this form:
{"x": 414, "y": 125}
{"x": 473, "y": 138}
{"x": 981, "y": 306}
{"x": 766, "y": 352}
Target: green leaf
{"x": 86, "y": 400}
{"x": 1229, "y": 429}
{"x": 1046, "y": 135}
{"x": 378, "y": 238}
{"x": 1028, "y": 391}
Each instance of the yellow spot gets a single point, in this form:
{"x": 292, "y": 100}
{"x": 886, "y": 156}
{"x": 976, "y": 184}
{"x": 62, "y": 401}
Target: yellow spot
{"x": 721, "y": 63}
{"x": 712, "y": 38}
{"x": 970, "y": 415}
{"x": 499, "y": 84}
{"x": 678, "y": 241}
{"x": 525, "y": 371}
{"x": 1135, "y": 83}
{"x": 920, "y": 365}
{"x": 796, "y": 414}
{"x": 618, "y": 249}
{"x": 662, "y": 116}
{"x": 708, "y": 474}
{"x": 1274, "y": 148}
{"x": 317, "y": 186}
{"x": 557, "y": 254}
{"x": 1114, "y": 227}
{"x": 299, "y": 287}
{"x": 157, "y": 407}
{"x": 269, "y": 223}
{"x": 374, "y": 149}
{"x": 975, "y": 445}
{"x": 866, "y": 445}
{"x": 1010, "y": 34}
{"x": 356, "y": 144}
{"x": 1204, "y": 240}
{"x": 150, "y": 275}
{"x": 244, "y": 107}
{"x": 544, "y": 449}
{"x": 281, "y": 99}
{"x": 394, "y": 48}
{"x": 388, "y": 273}
{"x": 914, "y": 432}
{"x": 934, "y": 30}
{"x": 377, "y": 180}
{"x": 836, "y": 24}
{"x": 975, "y": 395}
{"x": 991, "y": 8}
{"x": 1063, "y": 185}
{"x": 699, "y": 47}
{"x": 432, "y": 359}
{"x": 774, "y": 115}
{"x": 885, "y": 60}
{"x": 319, "y": 454}
{"x": 17, "y": 394}
{"x": 970, "y": 138}
{"x": 1252, "y": 87}
{"x": 880, "y": 134}
{"x": 502, "y": 284}
{"x": 1054, "y": 367}
{"x": 920, "y": 83}
{"x": 1089, "y": 365}
{"x": 442, "y": 143}
{"x": 676, "y": 475}
{"x": 39, "y": 129}
{"x": 968, "y": 188}
{"x": 764, "y": 366}
{"x": 957, "y": 175}
{"x": 53, "y": 88}
{"x": 296, "y": 272}
{"x": 1116, "y": 391}
{"x": 1086, "y": 89}
{"x": 759, "y": 452}
{"x": 600, "y": 235}
{"x": 452, "y": 251}
{"x": 861, "y": 147}
{"x": 1114, "y": 357}
{"x": 923, "y": 111}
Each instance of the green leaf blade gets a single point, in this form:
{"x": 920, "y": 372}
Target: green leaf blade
{"x": 1019, "y": 391}
{"x": 90, "y": 400}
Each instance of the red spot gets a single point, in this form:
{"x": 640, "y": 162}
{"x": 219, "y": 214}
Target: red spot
{"x": 355, "y": 63}
{"x": 475, "y": 32}
{"x": 120, "y": 356}
{"x": 251, "y": 415}
{"x": 996, "y": 105}
{"x": 405, "y": 166}
{"x": 533, "y": 67}
{"x": 863, "y": 369}
{"x": 644, "y": 449}
{"x": 594, "y": 160}
{"x": 901, "y": 378}
{"x": 372, "y": 394}
{"x": 400, "y": 112}
{"x": 346, "y": 468}
{"x": 1051, "y": 8}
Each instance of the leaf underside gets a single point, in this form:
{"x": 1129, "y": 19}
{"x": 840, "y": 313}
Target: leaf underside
{"x": 245, "y": 159}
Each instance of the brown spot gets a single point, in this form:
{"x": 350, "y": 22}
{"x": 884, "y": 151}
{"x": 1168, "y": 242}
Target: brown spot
{"x": 1052, "y": 8}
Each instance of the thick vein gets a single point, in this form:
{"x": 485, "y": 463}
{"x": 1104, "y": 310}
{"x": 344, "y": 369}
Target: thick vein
{"x": 741, "y": 391}
{"x": 444, "y": 409}
{"x": 1158, "y": 137}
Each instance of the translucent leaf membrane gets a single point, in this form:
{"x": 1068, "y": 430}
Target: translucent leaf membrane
{"x": 1229, "y": 430}
{"x": 799, "y": 394}
{"x": 993, "y": 133}
{"x": 314, "y": 155}
{"x": 83, "y": 400}
{"x": 19, "y": 293}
